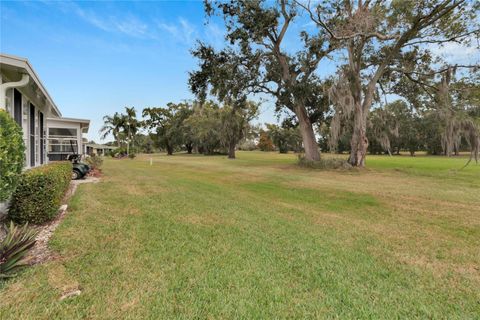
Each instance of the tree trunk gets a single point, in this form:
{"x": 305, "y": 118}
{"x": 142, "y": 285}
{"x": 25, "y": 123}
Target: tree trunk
{"x": 359, "y": 142}
{"x": 189, "y": 147}
{"x": 456, "y": 150}
{"x": 231, "y": 150}
{"x": 308, "y": 136}
{"x": 169, "y": 149}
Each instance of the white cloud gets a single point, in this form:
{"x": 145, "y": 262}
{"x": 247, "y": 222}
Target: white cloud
{"x": 182, "y": 31}
{"x": 188, "y": 31}
{"x": 132, "y": 27}
{"x": 127, "y": 25}
{"x": 170, "y": 28}
{"x": 456, "y": 53}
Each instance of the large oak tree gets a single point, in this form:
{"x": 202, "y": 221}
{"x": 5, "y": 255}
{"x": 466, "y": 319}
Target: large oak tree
{"x": 378, "y": 35}
{"x": 256, "y": 32}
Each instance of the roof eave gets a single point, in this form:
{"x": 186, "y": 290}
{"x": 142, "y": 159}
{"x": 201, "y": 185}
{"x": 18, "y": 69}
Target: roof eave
{"x": 25, "y": 64}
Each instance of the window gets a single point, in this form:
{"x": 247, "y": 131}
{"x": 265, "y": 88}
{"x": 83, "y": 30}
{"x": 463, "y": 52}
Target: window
{"x": 32, "y": 135}
{"x": 61, "y": 143}
{"x": 62, "y": 146}
{"x": 62, "y": 132}
{"x": 42, "y": 138}
{"x": 17, "y": 107}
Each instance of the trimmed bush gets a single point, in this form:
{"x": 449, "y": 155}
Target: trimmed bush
{"x": 12, "y": 154}
{"x": 39, "y": 193}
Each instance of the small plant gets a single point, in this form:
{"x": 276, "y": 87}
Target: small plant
{"x": 94, "y": 161}
{"x": 13, "y": 249}
{"x": 132, "y": 155}
{"x": 324, "y": 164}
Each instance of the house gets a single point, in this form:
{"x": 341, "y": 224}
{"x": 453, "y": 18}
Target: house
{"x": 23, "y": 95}
{"x": 98, "y": 149}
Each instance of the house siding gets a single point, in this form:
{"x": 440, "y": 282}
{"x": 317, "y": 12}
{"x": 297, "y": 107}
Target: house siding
{"x": 26, "y": 103}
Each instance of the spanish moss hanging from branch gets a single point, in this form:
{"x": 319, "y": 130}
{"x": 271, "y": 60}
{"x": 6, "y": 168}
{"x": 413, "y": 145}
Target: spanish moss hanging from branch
{"x": 458, "y": 123}
{"x": 341, "y": 98}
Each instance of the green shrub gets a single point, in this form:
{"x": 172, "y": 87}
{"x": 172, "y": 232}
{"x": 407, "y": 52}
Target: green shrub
{"x": 132, "y": 155}
{"x": 12, "y": 155}
{"x": 135, "y": 150}
{"x": 247, "y": 145}
{"x": 94, "y": 161}
{"x": 111, "y": 153}
{"x": 14, "y": 247}
{"x": 39, "y": 193}
{"x": 120, "y": 152}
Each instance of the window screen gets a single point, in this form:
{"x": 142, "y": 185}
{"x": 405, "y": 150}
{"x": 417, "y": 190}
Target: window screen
{"x": 62, "y": 132}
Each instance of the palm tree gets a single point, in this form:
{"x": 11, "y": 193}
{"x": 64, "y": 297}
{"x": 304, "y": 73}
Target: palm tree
{"x": 113, "y": 125}
{"x": 131, "y": 123}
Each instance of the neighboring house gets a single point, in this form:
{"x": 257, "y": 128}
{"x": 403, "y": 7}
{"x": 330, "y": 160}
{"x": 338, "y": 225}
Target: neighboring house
{"x": 98, "y": 149}
{"x": 24, "y": 96}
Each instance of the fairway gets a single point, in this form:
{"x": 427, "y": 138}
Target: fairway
{"x": 199, "y": 237}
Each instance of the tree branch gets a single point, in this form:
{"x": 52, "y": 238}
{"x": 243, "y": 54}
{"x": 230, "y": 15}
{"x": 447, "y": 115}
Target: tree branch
{"x": 439, "y": 41}
{"x": 322, "y": 24}
{"x": 437, "y": 71}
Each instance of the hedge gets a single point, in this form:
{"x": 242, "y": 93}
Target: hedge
{"x": 39, "y": 193}
{"x": 12, "y": 154}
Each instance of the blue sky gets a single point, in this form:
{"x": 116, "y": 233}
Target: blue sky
{"x": 95, "y": 58}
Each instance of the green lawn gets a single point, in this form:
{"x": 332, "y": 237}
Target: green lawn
{"x": 195, "y": 237}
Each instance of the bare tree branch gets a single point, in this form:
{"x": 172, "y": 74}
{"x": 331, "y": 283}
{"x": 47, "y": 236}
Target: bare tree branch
{"x": 439, "y": 41}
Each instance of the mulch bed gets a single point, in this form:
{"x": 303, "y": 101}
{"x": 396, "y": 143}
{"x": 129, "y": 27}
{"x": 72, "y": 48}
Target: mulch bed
{"x": 97, "y": 173}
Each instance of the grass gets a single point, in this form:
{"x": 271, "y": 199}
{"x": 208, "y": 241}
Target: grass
{"x": 259, "y": 237}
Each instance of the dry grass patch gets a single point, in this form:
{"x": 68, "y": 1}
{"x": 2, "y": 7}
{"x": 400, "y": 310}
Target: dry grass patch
{"x": 61, "y": 281}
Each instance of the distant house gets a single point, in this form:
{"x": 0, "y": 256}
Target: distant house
{"x": 27, "y": 100}
{"x": 98, "y": 149}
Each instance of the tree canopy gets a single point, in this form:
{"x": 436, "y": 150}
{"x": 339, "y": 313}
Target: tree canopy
{"x": 389, "y": 91}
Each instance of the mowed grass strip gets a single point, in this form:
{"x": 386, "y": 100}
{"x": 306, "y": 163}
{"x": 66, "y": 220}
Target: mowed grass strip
{"x": 206, "y": 237}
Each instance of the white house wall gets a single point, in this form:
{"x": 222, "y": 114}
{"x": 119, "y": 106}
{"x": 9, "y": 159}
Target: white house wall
{"x": 32, "y": 93}
{"x": 39, "y": 107}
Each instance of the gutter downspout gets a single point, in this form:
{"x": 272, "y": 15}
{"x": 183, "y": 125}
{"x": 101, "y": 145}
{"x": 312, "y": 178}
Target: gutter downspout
{"x": 8, "y": 85}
